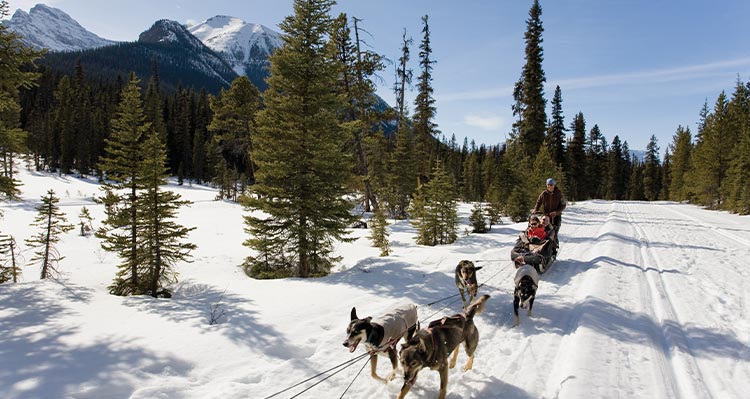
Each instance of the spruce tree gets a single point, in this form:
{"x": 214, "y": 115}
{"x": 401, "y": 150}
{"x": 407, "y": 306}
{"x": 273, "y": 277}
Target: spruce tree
{"x": 14, "y": 74}
{"x": 379, "y": 232}
{"x": 682, "y": 148}
{"x": 10, "y": 269}
{"x": 556, "y": 133}
{"x": 651, "y": 171}
{"x": 529, "y": 92}
{"x": 576, "y": 165}
{"x": 424, "y": 130}
{"x": 84, "y": 220}
{"x": 710, "y": 159}
{"x": 434, "y": 210}
{"x": 160, "y": 238}
{"x": 233, "y": 127}
{"x": 302, "y": 165}
{"x": 478, "y": 219}
{"x": 596, "y": 160}
{"x": 52, "y": 223}
{"x": 121, "y": 163}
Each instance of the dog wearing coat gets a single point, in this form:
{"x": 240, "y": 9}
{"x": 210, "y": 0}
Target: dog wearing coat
{"x": 380, "y": 336}
{"x": 432, "y": 346}
{"x": 466, "y": 280}
{"x": 526, "y": 282}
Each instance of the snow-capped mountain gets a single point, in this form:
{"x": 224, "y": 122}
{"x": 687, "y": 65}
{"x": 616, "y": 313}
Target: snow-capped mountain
{"x": 245, "y": 46}
{"x": 51, "y": 28}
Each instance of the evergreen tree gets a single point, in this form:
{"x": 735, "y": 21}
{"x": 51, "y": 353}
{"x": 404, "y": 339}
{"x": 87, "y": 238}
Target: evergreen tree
{"x": 233, "y": 127}
{"x": 122, "y": 163}
{"x": 596, "y": 160}
{"x": 435, "y": 210}
{"x": 615, "y": 185}
{"x": 516, "y": 169}
{"x": 682, "y": 148}
{"x": 10, "y": 270}
{"x": 635, "y": 183}
{"x": 425, "y": 130}
{"x": 529, "y": 93}
{"x": 379, "y": 232}
{"x": 159, "y": 236}
{"x": 543, "y": 168}
{"x": 651, "y": 170}
{"x": 577, "y": 159}
{"x": 302, "y": 167}
{"x": 737, "y": 121}
{"x": 14, "y": 57}
{"x": 477, "y": 219}
{"x": 710, "y": 158}
{"x": 52, "y": 222}
{"x": 666, "y": 176}
{"x": 84, "y": 220}
{"x": 556, "y": 133}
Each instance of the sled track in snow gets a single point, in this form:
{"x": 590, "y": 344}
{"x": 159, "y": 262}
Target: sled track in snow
{"x": 675, "y": 353}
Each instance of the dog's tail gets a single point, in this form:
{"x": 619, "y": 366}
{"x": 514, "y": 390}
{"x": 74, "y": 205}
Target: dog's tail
{"x": 476, "y": 307}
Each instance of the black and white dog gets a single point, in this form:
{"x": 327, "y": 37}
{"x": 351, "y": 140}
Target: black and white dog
{"x": 466, "y": 280}
{"x": 381, "y": 336}
{"x": 527, "y": 281}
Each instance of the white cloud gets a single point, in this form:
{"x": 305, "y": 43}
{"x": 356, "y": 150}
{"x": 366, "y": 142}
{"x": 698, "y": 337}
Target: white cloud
{"x": 484, "y": 122}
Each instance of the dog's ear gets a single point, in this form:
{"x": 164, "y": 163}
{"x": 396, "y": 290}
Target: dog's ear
{"x": 354, "y": 313}
{"x": 478, "y": 268}
{"x": 422, "y": 347}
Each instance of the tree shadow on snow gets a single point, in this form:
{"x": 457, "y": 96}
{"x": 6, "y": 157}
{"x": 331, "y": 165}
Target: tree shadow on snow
{"x": 42, "y": 358}
{"x": 192, "y": 303}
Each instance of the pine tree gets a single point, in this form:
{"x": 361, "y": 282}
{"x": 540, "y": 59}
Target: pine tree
{"x": 710, "y": 159}
{"x": 10, "y": 270}
{"x": 615, "y": 185}
{"x": 425, "y": 130}
{"x": 14, "y": 74}
{"x": 302, "y": 167}
{"x": 651, "y": 170}
{"x": 576, "y": 165}
{"x": 434, "y": 210}
{"x": 682, "y": 148}
{"x": 84, "y": 220}
{"x": 556, "y": 133}
{"x": 233, "y": 127}
{"x": 379, "y": 232}
{"x": 543, "y": 168}
{"x": 596, "y": 159}
{"x": 52, "y": 222}
{"x": 529, "y": 92}
{"x": 666, "y": 176}
{"x": 159, "y": 236}
{"x": 121, "y": 164}
{"x": 477, "y": 219}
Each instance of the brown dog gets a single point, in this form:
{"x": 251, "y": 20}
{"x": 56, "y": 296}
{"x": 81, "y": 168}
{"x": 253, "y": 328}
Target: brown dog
{"x": 466, "y": 280}
{"x": 431, "y": 347}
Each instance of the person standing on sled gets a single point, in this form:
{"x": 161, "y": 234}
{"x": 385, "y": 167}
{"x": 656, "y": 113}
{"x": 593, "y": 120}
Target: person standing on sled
{"x": 553, "y": 203}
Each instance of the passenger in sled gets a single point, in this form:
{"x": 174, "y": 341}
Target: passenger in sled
{"x": 534, "y": 246}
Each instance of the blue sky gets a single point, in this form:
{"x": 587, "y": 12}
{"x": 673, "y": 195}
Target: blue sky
{"x": 634, "y": 67}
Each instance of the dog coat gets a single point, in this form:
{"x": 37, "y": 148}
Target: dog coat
{"x": 396, "y": 322}
{"x": 527, "y": 270}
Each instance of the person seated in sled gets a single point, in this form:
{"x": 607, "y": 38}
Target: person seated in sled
{"x": 553, "y": 203}
{"x": 530, "y": 248}
{"x": 551, "y": 234}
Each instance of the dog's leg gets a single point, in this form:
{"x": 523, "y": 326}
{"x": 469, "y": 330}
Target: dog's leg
{"x": 443, "y": 380}
{"x": 531, "y": 304}
{"x": 463, "y": 299}
{"x": 394, "y": 363}
{"x": 404, "y": 390}
{"x": 516, "y": 302}
{"x": 454, "y": 357}
{"x": 374, "y": 367}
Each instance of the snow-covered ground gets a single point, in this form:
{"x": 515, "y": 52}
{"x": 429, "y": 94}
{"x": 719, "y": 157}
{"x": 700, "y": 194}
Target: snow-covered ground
{"x": 646, "y": 300}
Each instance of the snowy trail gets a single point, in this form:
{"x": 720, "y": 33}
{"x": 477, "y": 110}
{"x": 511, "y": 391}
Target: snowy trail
{"x": 645, "y": 300}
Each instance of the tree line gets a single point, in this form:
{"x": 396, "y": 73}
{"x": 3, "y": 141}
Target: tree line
{"x": 299, "y": 149}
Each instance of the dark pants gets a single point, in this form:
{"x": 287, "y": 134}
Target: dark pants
{"x": 556, "y": 224}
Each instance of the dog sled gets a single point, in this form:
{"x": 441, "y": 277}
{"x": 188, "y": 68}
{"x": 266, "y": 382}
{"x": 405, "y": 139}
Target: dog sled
{"x": 538, "y": 250}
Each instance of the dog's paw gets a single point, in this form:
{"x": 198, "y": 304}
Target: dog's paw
{"x": 390, "y": 377}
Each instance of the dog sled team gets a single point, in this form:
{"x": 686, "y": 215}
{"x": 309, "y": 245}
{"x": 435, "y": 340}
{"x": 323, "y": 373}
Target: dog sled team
{"x": 436, "y": 346}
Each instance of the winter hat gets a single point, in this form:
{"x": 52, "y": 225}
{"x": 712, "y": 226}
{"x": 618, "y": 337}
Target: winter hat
{"x": 551, "y": 181}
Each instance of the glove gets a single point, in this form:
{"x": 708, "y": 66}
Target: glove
{"x": 552, "y": 214}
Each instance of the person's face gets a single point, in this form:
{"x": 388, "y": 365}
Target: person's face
{"x": 550, "y": 187}
{"x": 545, "y": 221}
